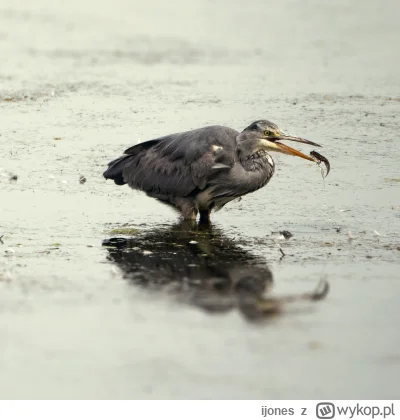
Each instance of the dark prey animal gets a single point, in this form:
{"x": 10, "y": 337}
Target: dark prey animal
{"x": 201, "y": 170}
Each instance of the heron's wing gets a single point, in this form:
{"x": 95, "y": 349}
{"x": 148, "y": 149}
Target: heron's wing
{"x": 181, "y": 163}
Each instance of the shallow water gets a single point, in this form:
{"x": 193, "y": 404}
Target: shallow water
{"x": 80, "y": 83}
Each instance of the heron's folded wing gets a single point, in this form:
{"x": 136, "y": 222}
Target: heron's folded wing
{"x": 181, "y": 163}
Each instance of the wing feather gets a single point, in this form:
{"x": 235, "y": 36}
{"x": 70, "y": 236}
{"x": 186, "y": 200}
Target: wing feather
{"x": 180, "y": 163}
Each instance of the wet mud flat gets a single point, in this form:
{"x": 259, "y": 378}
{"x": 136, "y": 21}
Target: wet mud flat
{"x": 105, "y": 294}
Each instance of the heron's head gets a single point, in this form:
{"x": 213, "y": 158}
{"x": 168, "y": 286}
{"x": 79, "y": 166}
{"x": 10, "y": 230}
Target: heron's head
{"x": 265, "y": 135}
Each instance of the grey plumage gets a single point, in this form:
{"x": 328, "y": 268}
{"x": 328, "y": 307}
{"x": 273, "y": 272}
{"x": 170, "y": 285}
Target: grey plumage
{"x": 199, "y": 170}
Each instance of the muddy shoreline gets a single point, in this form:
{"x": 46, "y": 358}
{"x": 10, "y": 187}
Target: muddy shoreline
{"x": 166, "y": 317}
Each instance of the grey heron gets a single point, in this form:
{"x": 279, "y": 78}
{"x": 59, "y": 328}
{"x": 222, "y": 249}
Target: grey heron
{"x": 202, "y": 170}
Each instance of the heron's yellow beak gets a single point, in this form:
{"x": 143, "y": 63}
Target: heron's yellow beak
{"x": 289, "y": 151}
{"x": 275, "y": 145}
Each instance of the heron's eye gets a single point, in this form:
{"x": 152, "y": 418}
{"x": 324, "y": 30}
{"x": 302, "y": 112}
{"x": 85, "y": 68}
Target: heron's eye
{"x": 267, "y": 133}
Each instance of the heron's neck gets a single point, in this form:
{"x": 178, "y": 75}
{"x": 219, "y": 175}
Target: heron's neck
{"x": 256, "y": 160}
{"x": 259, "y": 169}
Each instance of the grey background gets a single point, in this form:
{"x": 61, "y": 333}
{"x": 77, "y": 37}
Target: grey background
{"x": 105, "y": 75}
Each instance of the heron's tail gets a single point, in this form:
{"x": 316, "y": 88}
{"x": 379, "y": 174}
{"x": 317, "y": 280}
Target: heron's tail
{"x": 116, "y": 168}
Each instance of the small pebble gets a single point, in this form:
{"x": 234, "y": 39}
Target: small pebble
{"x": 286, "y": 234}
{"x": 314, "y": 345}
{"x": 82, "y": 179}
{"x": 282, "y": 235}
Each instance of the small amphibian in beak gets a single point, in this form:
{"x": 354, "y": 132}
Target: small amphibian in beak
{"x": 321, "y": 159}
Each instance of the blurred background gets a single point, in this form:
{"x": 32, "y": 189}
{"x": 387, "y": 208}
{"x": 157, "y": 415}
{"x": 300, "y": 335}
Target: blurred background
{"x": 80, "y": 81}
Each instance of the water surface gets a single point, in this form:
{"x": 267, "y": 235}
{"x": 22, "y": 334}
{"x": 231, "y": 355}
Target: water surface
{"x": 81, "y": 82}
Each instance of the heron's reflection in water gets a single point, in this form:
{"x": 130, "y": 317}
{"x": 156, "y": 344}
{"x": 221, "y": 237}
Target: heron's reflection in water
{"x": 201, "y": 266}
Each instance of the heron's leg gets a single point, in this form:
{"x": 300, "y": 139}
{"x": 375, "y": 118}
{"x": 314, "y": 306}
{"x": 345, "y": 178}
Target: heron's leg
{"x": 188, "y": 210}
{"x": 189, "y": 214}
{"x": 205, "y": 216}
